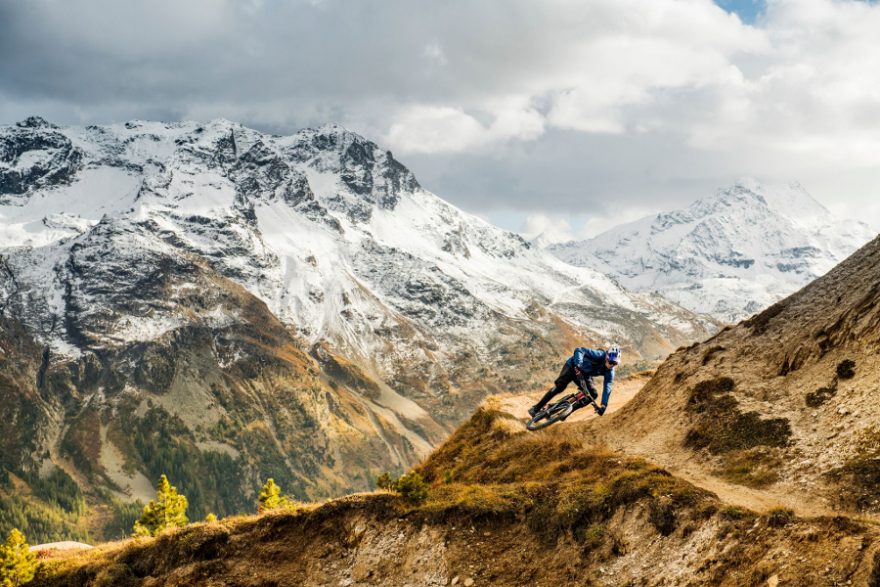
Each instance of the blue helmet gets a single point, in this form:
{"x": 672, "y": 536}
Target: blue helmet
{"x": 613, "y": 354}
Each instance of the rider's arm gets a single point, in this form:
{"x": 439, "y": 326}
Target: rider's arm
{"x": 577, "y": 359}
{"x": 606, "y": 389}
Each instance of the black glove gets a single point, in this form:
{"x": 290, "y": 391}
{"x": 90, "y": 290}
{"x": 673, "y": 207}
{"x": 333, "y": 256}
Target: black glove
{"x": 601, "y": 410}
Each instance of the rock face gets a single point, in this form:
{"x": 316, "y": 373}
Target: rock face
{"x": 784, "y": 402}
{"x": 35, "y": 155}
{"x": 729, "y": 255}
{"x": 222, "y": 305}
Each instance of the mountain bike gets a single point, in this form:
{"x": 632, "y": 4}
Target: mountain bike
{"x": 562, "y": 409}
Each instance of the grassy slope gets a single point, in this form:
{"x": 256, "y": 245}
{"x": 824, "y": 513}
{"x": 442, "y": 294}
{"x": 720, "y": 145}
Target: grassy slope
{"x": 505, "y": 508}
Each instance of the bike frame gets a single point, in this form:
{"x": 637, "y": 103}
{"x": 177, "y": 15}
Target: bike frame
{"x": 574, "y": 397}
{"x": 566, "y": 403}
{"x": 582, "y": 394}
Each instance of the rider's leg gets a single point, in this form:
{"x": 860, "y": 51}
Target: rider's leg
{"x": 566, "y": 376}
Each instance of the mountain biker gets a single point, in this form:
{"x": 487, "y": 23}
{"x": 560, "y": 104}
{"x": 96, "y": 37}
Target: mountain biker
{"x": 581, "y": 366}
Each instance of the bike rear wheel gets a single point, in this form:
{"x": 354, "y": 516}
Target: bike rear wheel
{"x": 550, "y": 415}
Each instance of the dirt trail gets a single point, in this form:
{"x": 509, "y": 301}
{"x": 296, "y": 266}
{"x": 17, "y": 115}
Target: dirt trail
{"x": 758, "y": 500}
{"x": 624, "y": 390}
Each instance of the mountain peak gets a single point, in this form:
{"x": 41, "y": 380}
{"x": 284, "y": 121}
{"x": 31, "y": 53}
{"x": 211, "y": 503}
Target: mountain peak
{"x": 788, "y": 200}
{"x": 740, "y": 249}
{"x": 35, "y": 122}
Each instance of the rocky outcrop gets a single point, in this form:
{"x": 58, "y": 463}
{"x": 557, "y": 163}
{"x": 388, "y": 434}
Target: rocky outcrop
{"x": 35, "y": 155}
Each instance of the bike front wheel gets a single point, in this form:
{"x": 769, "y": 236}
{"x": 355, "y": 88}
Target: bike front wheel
{"x": 550, "y": 415}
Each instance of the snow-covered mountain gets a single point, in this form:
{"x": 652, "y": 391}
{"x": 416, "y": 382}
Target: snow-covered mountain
{"x": 730, "y": 254}
{"x": 298, "y": 305}
{"x": 332, "y": 233}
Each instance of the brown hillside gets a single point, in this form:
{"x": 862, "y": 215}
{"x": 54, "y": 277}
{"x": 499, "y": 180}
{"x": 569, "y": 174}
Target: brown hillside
{"x": 219, "y": 409}
{"x": 785, "y": 402}
{"x": 505, "y": 508}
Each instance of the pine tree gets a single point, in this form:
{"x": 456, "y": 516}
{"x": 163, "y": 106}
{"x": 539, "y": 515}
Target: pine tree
{"x": 412, "y": 487}
{"x": 168, "y": 510}
{"x": 17, "y": 563}
{"x": 385, "y": 481}
{"x": 271, "y": 498}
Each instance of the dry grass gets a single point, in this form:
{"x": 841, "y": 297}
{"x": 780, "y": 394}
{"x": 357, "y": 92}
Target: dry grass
{"x": 558, "y": 485}
{"x": 720, "y": 426}
{"x": 757, "y": 467}
{"x": 485, "y": 471}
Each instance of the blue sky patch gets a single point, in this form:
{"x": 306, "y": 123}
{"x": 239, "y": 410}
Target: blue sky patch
{"x": 747, "y": 10}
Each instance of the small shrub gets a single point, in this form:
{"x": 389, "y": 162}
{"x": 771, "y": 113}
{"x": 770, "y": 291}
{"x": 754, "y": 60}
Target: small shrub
{"x": 704, "y": 392}
{"x": 385, "y": 481}
{"x": 820, "y": 396}
{"x": 211, "y": 517}
{"x": 846, "y": 369}
{"x": 719, "y": 425}
{"x": 168, "y": 510}
{"x": 412, "y": 488}
{"x": 780, "y": 517}
{"x": 721, "y": 433}
{"x": 734, "y": 513}
{"x": 270, "y": 498}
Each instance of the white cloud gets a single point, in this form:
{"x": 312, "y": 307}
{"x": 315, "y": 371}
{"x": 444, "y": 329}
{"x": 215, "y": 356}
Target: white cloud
{"x": 432, "y": 129}
{"x": 800, "y": 83}
{"x": 550, "y": 229}
{"x": 590, "y": 62}
{"x": 646, "y": 98}
{"x": 437, "y": 129}
{"x": 434, "y": 53}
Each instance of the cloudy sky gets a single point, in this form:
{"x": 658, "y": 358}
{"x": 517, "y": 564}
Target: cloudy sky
{"x": 559, "y": 115}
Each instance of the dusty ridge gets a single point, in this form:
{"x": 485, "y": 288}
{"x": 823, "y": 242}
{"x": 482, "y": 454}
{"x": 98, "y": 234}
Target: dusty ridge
{"x": 505, "y": 507}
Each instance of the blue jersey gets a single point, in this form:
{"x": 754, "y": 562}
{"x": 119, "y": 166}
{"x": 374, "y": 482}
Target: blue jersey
{"x": 591, "y": 362}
